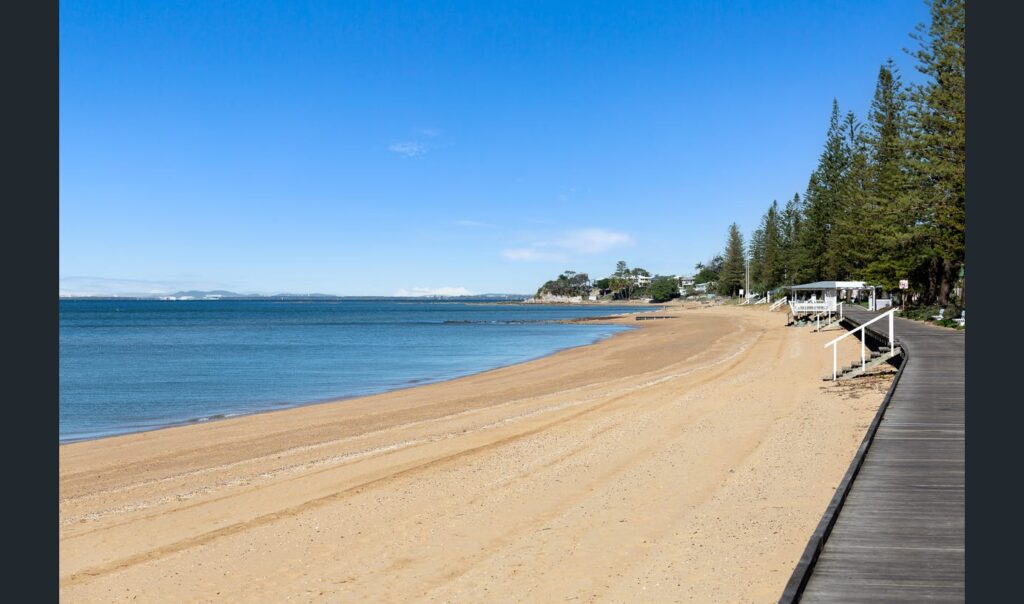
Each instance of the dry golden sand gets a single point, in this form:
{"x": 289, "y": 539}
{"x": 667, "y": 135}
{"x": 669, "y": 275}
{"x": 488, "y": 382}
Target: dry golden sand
{"x": 687, "y": 460}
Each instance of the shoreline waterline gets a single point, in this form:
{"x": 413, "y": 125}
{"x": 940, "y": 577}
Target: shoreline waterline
{"x": 287, "y": 406}
{"x": 139, "y": 366}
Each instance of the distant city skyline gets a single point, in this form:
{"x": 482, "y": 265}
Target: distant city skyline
{"x": 440, "y": 148}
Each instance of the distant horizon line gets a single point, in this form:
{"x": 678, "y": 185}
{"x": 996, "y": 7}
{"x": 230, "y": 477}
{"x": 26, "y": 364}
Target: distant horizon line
{"x": 228, "y": 295}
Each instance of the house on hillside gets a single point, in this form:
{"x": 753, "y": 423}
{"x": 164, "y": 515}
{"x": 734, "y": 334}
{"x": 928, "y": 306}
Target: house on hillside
{"x": 685, "y": 285}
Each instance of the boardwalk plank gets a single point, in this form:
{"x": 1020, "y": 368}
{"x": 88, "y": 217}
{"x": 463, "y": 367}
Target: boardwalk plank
{"x": 899, "y": 536}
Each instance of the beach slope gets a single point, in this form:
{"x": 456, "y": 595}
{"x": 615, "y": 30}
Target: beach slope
{"x": 687, "y": 460}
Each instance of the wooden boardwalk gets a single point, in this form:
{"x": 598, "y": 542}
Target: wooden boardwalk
{"x": 899, "y": 534}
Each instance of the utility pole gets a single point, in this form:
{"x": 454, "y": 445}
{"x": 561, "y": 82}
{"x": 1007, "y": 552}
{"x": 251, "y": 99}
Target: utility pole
{"x": 746, "y": 292}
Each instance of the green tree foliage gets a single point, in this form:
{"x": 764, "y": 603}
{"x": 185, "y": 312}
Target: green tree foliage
{"x": 767, "y": 263}
{"x": 733, "y": 274}
{"x": 663, "y": 289}
{"x": 569, "y": 283}
{"x": 894, "y": 247}
{"x": 937, "y": 146}
{"x": 755, "y": 253}
{"x": 818, "y": 256}
{"x": 887, "y": 199}
{"x": 621, "y": 281}
{"x": 792, "y": 218}
{"x": 851, "y": 245}
{"x": 708, "y": 272}
{"x": 886, "y": 136}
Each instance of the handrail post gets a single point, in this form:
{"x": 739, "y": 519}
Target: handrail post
{"x": 862, "y": 349}
{"x": 891, "y": 338}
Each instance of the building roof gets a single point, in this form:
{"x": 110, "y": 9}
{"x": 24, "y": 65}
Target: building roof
{"x": 829, "y": 285}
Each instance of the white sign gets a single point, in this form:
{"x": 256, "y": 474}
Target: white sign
{"x": 904, "y": 284}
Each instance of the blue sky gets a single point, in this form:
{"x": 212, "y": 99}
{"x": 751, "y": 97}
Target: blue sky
{"x": 370, "y": 148}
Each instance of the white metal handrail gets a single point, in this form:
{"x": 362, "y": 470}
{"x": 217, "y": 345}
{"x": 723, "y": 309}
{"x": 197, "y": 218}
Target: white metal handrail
{"x": 860, "y": 328}
{"x": 779, "y": 302}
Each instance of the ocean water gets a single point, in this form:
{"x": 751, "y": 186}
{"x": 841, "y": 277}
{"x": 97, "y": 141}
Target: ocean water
{"x": 134, "y": 365}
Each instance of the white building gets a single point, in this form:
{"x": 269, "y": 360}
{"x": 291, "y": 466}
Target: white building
{"x": 822, "y": 296}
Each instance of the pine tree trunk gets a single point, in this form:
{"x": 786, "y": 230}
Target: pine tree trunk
{"x": 931, "y": 292}
{"x": 963, "y": 292}
{"x": 945, "y": 281}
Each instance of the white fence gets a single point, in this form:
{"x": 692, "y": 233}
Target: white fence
{"x": 811, "y": 306}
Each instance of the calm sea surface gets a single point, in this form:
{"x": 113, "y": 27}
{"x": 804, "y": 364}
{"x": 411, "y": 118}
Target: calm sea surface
{"x": 132, "y": 365}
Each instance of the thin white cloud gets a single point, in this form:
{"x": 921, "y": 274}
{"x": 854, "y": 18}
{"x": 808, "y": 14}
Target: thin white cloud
{"x": 416, "y": 292}
{"x": 592, "y": 241}
{"x": 420, "y": 146}
{"x": 570, "y": 243}
{"x": 532, "y": 254}
{"x": 410, "y": 148}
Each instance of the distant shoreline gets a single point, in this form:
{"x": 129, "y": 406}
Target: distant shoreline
{"x": 230, "y": 296}
{"x": 483, "y": 299}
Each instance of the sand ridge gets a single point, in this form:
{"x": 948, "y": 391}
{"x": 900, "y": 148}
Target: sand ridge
{"x": 686, "y": 460}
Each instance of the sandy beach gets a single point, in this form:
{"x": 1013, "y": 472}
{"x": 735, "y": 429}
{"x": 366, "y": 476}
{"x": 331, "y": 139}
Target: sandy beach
{"x": 687, "y": 460}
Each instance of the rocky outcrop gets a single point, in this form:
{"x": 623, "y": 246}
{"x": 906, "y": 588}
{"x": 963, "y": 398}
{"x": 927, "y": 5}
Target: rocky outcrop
{"x": 552, "y": 299}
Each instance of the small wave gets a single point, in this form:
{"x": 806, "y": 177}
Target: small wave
{"x": 210, "y": 417}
